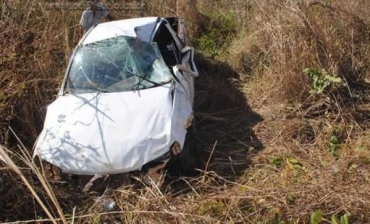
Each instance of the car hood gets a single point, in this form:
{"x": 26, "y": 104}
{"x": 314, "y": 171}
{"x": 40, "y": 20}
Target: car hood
{"x": 99, "y": 133}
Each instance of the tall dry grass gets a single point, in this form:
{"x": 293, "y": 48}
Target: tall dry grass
{"x": 274, "y": 151}
{"x": 285, "y": 37}
{"x": 35, "y": 48}
{"x": 26, "y": 158}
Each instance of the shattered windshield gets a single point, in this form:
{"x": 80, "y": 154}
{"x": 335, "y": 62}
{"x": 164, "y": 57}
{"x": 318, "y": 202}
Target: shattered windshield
{"x": 117, "y": 64}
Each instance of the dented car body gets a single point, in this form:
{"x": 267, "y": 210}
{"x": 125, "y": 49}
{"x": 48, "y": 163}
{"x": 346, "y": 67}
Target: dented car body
{"x": 126, "y": 100}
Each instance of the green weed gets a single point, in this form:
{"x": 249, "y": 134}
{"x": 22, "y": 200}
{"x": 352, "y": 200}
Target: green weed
{"x": 317, "y": 218}
{"x": 321, "y": 80}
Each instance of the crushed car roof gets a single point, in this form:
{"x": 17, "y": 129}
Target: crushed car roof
{"x": 136, "y": 27}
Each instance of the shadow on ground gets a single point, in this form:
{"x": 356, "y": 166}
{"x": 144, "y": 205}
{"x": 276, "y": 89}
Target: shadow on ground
{"x": 223, "y": 122}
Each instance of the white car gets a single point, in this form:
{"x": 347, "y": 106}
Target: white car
{"x": 126, "y": 100}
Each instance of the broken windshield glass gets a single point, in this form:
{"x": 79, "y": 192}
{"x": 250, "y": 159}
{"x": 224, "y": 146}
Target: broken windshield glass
{"x": 117, "y": 64}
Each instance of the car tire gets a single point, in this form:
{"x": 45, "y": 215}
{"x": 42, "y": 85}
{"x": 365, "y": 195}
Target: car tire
{"x": 190, "y": 160}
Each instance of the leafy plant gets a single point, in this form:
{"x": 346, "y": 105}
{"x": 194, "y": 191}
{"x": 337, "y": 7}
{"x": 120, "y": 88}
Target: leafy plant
{"x": 321, "y": 80}
{"x": 343, "y": 219}
{"x": 276, "y": 161}
{"x": 294, "y": 163}
{"x": 316, "y": 217}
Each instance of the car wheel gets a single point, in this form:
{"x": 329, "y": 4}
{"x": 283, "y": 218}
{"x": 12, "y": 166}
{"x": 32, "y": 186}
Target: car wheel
{"x": 190, "y": 160}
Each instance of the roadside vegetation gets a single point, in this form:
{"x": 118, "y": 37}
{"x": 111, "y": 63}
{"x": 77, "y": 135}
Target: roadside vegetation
{"x": 282, "y": 115}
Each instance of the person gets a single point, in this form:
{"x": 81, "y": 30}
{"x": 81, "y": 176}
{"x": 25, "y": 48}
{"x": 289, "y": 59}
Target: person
{"x": 93, "y": 14}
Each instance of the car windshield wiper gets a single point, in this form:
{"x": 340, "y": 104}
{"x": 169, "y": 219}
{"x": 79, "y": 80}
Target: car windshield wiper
{"x": 157, "y": 83}
{"x": 143, "y": 76}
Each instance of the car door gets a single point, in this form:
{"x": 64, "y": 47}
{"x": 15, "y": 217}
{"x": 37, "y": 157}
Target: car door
{"x": 185, "y": 61}
{"x": 189, "y": 71}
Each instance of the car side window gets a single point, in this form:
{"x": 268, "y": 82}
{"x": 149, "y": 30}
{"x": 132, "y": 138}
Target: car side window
{"x": 167, "y": 46}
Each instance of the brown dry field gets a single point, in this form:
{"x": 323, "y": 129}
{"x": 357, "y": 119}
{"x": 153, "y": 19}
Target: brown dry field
{"x": 282, "y": 114}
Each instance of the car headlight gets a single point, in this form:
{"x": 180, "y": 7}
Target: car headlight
{"x": 189, "y": 121}
{"x": 175, "y": 148}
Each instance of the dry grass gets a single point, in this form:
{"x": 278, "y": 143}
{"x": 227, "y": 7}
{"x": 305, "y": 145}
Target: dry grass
{"x": 273, "y": 149}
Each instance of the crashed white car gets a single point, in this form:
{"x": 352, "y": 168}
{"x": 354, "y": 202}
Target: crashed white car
{"x": 126, "y": 99}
